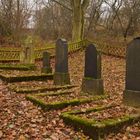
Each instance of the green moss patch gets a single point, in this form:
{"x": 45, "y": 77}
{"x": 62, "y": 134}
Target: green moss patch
{"x": 22, "y": 78}
{"x": 41, "y": 89}
{"x": 60, "y": 104}
{"x": 96, "y": 129}
{"x": 17, "y": 67}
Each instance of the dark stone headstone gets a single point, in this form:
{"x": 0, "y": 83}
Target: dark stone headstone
{"x": 61, "y": 59}
{"x": 46, "y": 63}
{"x": 61, "y": 75}
{"x": 132, "y": 88}
{"x": 133, "y": 65}
{"x": 92, "y": 82}
{"x": 91, "y": 62}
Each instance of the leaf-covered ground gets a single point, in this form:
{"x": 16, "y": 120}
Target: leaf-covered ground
{"x": 21, "y": 120}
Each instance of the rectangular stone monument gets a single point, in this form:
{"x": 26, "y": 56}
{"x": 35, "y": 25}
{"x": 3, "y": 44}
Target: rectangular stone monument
{"x": 92, "y": 82}
{"x": 46, "y": 63}
{"x": 27, "y": 55}
{"x": 61, "y": 75}
{"x": 131, "y": 94}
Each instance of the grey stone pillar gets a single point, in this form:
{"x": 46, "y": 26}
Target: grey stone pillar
{"x": 61, "y": 75}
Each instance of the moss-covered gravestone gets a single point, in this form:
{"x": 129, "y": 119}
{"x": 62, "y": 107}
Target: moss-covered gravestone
{"x": 92, "y": 82}
{"x": 27, "y": 55}
{"x": 61, "y": 75}
{"x": 132, "y": 87}
{"x": 46, "y": 63}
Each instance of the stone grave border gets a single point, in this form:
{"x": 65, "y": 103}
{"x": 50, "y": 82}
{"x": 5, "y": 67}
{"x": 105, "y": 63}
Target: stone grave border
{"x": 38, "y": 90}
{"x": 23, "y": 67}
{"x": 95, "y": 129}
{"x": 11, "y": 79}
{"x": 60, "y": 105}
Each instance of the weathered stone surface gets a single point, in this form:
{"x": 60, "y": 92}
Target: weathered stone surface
{"x": 61, "y": 75}
{"x": 61, "y": 58}
{"x": 92, "y": 82}
{"x": 133, "y": 65}
{"x": 131, "y": 98}
{"x": 27, "y": 55}
{"x": 46, "y": 59}
{"x": 61, "y": 79}
{"x": 92, "y": 62}
{"x": 93, "y": 86}
{"x": 132, "y": 88}
{"x": 46, "y": 63}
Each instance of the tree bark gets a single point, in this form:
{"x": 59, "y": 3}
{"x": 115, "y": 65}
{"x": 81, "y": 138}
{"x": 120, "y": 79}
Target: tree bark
{"x": 78, "y": 8}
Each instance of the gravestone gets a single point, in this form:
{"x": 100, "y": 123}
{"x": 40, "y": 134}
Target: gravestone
{"x": 46, "y": 63}
{"x": 132, "y": 86}
{"x": 61, "y": 75}
{"x": 27, "y": 55}
{"x": 92, "y": 82}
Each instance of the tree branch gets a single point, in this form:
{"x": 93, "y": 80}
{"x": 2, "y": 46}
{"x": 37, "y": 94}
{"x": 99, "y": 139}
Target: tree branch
{"x": 85, "y": 4}
{"x": 68, "y": 8}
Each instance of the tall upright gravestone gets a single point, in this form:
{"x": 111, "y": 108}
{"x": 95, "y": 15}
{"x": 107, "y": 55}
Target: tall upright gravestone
{"x": 46, "y": 63}
{"x": 132, "y": 87}
{"x": 92, "y": 82}
{"x": 61, "y": 75}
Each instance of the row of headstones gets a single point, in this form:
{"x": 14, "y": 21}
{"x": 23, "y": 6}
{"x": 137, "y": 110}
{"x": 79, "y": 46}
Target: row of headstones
{"x": 92, "y": 82}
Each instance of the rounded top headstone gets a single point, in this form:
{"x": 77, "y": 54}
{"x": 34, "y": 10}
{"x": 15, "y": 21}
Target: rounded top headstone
{"x": 61, "y": 42}
{"x": 132, "y": 65}
{"x": 91, "y": 45}
{"x": 135, "y": 43}
{"x": 136, "y": 38}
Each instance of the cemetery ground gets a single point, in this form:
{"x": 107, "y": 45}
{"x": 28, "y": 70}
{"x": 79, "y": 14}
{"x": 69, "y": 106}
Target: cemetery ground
{"x": 20, "y": 119}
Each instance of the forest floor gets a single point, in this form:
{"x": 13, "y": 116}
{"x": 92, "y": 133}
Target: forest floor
{"x": 21, "y": 120}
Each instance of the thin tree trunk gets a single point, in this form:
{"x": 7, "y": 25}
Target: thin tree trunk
{"x": 77, "y": 21}
{"x": 17, "y": 29}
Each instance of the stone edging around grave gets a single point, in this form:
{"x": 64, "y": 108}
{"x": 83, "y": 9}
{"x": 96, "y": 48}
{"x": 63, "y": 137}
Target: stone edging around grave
{"x": 11, "y": 79}
{"x": 95, "y": 129}
{"x": 61, "y": 105}
{"x": 17, "y": 67}
{"x": 37, "y": 90}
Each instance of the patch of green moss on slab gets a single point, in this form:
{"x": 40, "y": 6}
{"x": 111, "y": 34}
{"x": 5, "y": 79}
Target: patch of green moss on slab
{"x": 89, "y": 78}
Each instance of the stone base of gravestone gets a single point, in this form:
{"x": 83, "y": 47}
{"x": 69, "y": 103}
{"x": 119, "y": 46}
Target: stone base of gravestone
{"x": 131, "y": 98}
{"x": 46, "y": 70}
{"x": 92, "y": 86}
{"x": 61, "y": 78}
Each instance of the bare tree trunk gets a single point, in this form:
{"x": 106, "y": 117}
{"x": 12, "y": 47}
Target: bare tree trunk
{"x": 17, "y": 30}
{"x": 79, "y": 8}
{"x": 77, "y": 20}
